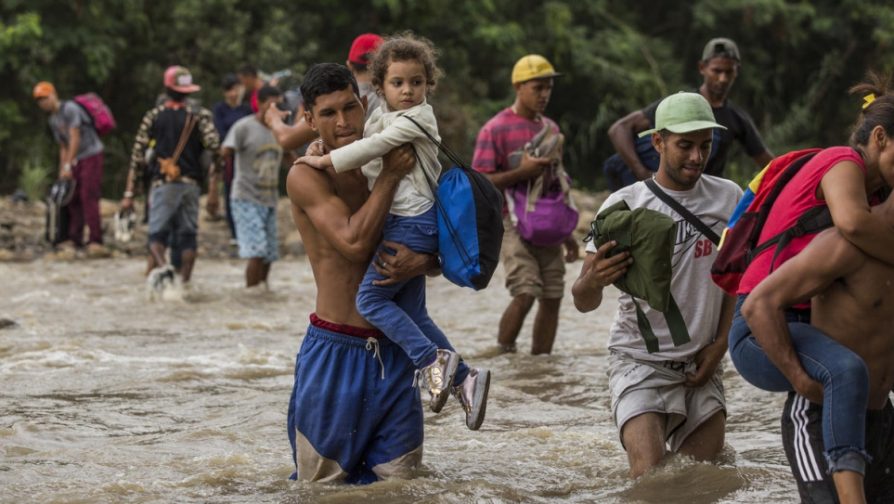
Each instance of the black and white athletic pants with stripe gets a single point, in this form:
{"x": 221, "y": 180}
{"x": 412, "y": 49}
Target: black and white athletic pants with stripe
{"x": 802, "y": 439}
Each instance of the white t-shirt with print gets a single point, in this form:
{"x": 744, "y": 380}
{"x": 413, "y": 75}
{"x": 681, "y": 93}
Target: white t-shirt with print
{"x": 712, "y": 200}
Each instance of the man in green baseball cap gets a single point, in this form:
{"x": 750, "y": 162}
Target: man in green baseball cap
{"x": 667, "y": 392}
{"x": 682, "y": 136}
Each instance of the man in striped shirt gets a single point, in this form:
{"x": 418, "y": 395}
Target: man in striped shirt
{"x": 532, "y": 272}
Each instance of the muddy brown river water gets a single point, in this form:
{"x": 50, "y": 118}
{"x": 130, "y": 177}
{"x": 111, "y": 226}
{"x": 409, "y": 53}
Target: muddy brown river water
{"x": 105, "y": 397}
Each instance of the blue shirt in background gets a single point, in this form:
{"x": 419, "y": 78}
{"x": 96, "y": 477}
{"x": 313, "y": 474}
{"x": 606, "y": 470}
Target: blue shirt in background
{"x": 225, "y": 116}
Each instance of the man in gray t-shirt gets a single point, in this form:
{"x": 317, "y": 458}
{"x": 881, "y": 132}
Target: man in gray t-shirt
{"x": 669, "y": 398}
{"x": 80, "y": 159}
{"x": 255, "y": 191}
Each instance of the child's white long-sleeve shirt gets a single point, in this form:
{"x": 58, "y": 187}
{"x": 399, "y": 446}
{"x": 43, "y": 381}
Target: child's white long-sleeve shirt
{"x": 384, "y": 131}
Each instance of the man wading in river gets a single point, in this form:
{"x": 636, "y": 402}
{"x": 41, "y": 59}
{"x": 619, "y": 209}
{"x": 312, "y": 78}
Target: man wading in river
{"x": 669, "y": 392}
{"x": 353, "y": 415}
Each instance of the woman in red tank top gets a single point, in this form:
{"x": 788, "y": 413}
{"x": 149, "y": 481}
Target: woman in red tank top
{"x": 795, "y": 355}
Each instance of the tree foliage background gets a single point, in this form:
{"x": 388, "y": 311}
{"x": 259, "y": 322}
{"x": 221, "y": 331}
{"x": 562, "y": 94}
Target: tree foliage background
{"x": 799, "y": 58}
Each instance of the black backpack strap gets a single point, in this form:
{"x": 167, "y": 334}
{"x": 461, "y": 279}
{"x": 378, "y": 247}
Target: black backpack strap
{"x": 442, "y": 213}
{"x": 446, "y": 150}
{"x": 680, "y": 209}
{"x": 454, "y": 158}
{"x": 812, "y": 221}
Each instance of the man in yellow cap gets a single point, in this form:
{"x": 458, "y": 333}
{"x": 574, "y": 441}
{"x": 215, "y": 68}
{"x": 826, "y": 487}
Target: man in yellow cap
{"x": 80, "y": 159}
{"x": 506, "y": 152}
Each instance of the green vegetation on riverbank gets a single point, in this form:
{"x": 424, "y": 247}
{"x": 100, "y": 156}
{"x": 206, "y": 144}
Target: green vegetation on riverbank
{"x": 798, "y": 60}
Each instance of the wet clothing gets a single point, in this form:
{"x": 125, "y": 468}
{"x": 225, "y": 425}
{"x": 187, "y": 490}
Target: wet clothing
{"x": 175, "y": 213}
{"x": 842, "y": 373}
{"x": 639, "y": 387}
{"x": 258, "y": 159}
{"x": 84, "y": 206}
{"x": 798, "y": 196}
{"x": 802, "y": 440}
{"x": 71, "y": 115}
{"x": 712, "y": 200}
{"x": 353, "y": 415}
{"x": 164, "y": 124}
{"x": 255, "y": 230}
{"x": 398, "y": 310}
{"x": 532, "y": 270}
{"x": 643, "y": 381}
{"x": 739, "y": 127}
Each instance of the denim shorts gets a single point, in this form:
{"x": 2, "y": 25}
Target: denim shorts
{"x": 173, "y": 207}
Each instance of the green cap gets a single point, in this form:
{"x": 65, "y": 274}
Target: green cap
{"x": 683, "y": 113}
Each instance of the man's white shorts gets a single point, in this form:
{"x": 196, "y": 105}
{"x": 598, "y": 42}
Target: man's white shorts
{"x": 639, "y": 386}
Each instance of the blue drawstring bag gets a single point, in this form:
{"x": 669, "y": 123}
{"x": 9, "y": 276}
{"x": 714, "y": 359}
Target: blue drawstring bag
{"x": 470, "y": 222}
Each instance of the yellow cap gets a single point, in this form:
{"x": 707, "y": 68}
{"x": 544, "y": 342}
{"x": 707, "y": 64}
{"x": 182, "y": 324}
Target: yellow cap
{"x": 532, "y": 66}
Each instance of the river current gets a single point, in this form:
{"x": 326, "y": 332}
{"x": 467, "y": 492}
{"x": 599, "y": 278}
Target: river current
{"x": 107, "y": 397}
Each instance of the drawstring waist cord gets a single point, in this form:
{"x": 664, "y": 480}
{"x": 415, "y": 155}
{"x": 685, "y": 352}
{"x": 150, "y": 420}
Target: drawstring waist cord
{"x": 373, "y": 344}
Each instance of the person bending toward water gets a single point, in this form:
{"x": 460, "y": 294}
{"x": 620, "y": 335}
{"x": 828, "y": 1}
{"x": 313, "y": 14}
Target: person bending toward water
{"x": 852, "y": 303}
{"x": 404, "y": 72}
{"x": 799, "y": 357}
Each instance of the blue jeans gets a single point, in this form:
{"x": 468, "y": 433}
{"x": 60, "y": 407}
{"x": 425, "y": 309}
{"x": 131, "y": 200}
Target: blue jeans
{"x": 842, "y": 373}
{"x": 398, "y": 310}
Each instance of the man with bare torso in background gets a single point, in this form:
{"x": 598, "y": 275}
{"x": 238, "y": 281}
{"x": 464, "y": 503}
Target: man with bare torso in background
{"x": 853, "y": 303}
{"x": 353, "y": 415}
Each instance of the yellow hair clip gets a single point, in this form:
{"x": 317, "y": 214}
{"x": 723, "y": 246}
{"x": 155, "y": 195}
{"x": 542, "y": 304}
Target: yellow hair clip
{"x": 868, "y": 99}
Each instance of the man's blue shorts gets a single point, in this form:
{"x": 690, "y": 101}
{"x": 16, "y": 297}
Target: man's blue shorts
{"x": 354, "y": 415}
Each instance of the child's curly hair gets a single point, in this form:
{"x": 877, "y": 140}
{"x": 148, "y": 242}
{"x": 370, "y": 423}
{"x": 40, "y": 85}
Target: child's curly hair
{"x": 405, "y": 47}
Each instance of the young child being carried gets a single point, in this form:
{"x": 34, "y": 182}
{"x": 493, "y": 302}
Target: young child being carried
{"x": 404, "y": 72}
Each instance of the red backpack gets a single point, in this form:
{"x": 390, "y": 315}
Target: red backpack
{"x": 100, "y": 115}
{"x": 739, "y": 243}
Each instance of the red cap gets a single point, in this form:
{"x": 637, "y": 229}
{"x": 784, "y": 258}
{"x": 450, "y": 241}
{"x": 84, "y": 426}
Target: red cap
{"x": 362, "y": 47}
{"x": 179, "y": 79}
